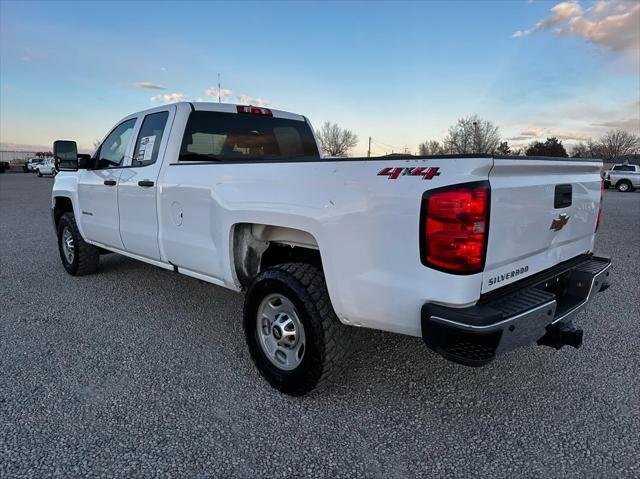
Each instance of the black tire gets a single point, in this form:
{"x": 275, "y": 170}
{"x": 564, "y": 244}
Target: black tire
{"x": 624, "y": 186}
{"x": 86, "y": 257}
{"x": 39, "y": 174}
{"x": 327, "y": 340}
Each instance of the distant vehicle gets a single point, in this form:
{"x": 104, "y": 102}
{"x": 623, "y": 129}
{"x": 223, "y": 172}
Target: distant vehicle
{"x": 623, "y": 177}
{"x": 4, "y": 166}
{"x": 47, "y": 167}
{"x": 30, "y": 165}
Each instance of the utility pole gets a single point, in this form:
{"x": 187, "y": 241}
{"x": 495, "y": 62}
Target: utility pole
{"x": 369, "y": 150}
{"x": 219, "y": 100}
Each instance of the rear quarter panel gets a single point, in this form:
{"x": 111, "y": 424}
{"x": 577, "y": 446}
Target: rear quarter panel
{"x": 366, "y": 226}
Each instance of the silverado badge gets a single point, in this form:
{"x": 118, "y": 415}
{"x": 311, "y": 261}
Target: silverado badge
{"x": 558, "y": 224}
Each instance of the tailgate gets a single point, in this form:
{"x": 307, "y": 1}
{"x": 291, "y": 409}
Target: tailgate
{"x": 543, "y": 212}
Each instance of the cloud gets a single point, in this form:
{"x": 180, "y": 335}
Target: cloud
{"x": 169, "y": 97}
{"x": 598, "y": 7}
{"x": 532, "y": 131}
{"x": 148, "y": 84}
{"x": 629, "y": 124}
{"x": 613, "y": 25}
{"x": 247, "y": 100}
{"x": 569, "y": 135}
{"x": 213, "y": 92}
{"x": 163, "y": 69}
{"x": 561, "y": 12}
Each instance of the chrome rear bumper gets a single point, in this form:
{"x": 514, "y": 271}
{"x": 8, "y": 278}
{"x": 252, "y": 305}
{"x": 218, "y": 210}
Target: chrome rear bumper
{"x": 520, "y": 316}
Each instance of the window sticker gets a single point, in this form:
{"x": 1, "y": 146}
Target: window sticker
{"x": 145, "y": 151}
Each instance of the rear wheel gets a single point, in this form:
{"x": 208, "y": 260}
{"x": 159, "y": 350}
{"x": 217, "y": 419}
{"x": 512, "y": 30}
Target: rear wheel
{"x": 624, "y": 186}
{"x": 78, "y": 257}
{"x": 294, "y": 337}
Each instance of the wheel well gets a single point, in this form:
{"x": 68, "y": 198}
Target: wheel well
{"x": 61, "y": 206}
{"x": 257, "y": 247}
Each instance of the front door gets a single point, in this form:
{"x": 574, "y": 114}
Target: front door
{"x": 137, "y": 188}
{"x": 98, "y": 191}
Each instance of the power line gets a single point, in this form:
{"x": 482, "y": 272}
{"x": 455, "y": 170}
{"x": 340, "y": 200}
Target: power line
{"x": 381, "y": 143}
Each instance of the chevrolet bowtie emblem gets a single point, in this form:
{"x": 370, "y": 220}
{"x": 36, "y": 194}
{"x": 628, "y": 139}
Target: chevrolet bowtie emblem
{"x": 558, "y": 224}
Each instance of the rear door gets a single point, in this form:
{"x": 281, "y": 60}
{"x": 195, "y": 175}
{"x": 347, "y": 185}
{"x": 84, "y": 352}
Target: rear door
{"x": 97, "y": 188}
{"x": 543, "y": 212}
{"x": 137, "y": 188}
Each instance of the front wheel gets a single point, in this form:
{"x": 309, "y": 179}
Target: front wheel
{"x": 39, "y": 174}
{"x": 78, "y": 257}
{"x": 294, "y": 337}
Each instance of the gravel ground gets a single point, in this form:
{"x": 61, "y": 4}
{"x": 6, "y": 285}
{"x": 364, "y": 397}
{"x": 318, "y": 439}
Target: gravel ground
{"x": 138, "y": 372}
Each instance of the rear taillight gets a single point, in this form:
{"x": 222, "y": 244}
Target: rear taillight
{"x": 254, "y": 110}
{"x": 600, "y": 208}
{"x": 455, "y": 225}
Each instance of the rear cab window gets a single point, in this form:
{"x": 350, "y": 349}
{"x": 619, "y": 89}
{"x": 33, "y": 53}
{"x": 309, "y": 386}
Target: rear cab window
{"x": 211, "y": 136}
{"x": 624, "y": 168}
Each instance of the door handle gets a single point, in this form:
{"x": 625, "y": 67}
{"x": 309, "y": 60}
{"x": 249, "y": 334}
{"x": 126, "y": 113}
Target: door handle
{"x": 145, "y": 183}
{"x": 110, "y": 182}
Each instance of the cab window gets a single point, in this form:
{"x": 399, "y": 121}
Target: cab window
{"x": 149, "y": 139}
{"x": 235, "y": 137}
{"x": 112, "y": 151}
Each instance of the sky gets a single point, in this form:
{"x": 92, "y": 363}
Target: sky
{"x": 399, "y": 72}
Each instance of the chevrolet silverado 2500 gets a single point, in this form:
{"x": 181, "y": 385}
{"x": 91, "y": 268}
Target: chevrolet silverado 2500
{"x": 476, "y": 254}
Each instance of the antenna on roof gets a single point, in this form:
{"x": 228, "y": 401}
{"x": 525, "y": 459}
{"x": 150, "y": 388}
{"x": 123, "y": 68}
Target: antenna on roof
{"x": 219, "y": 88}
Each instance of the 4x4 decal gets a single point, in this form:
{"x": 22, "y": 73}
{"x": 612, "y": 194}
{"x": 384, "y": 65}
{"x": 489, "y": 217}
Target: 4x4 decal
{"x": 427, "y": 173}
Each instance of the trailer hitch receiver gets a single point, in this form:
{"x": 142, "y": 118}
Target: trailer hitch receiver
{"x": 562, "y": 334}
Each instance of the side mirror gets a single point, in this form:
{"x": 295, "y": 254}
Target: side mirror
{"x": 65, "y": 154}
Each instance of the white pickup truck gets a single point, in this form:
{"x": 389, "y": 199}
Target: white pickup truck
{"x": 623, "y": 177}
{"x": 477, "y": 254}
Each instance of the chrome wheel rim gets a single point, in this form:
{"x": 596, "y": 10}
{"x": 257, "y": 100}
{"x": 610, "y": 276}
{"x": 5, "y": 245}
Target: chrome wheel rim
{"x": 623, "y": 187}
{"x": 280, "y": 332}
{"x": 68, "y": 245}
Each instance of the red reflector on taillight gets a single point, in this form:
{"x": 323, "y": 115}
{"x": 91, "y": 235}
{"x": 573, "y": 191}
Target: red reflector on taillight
{"x": 455, "y": 228}
{"x": 600, "y": 208}
{"x": 254, "y": 110}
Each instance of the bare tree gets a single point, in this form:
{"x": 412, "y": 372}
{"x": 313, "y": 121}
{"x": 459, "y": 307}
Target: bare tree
{"x": 473, "y": 135}
{"x": 616, "y": 143}
{"x": 586, "y": 149}
{"x": 336, "y": 141}
{"x": 430, "y": 147}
